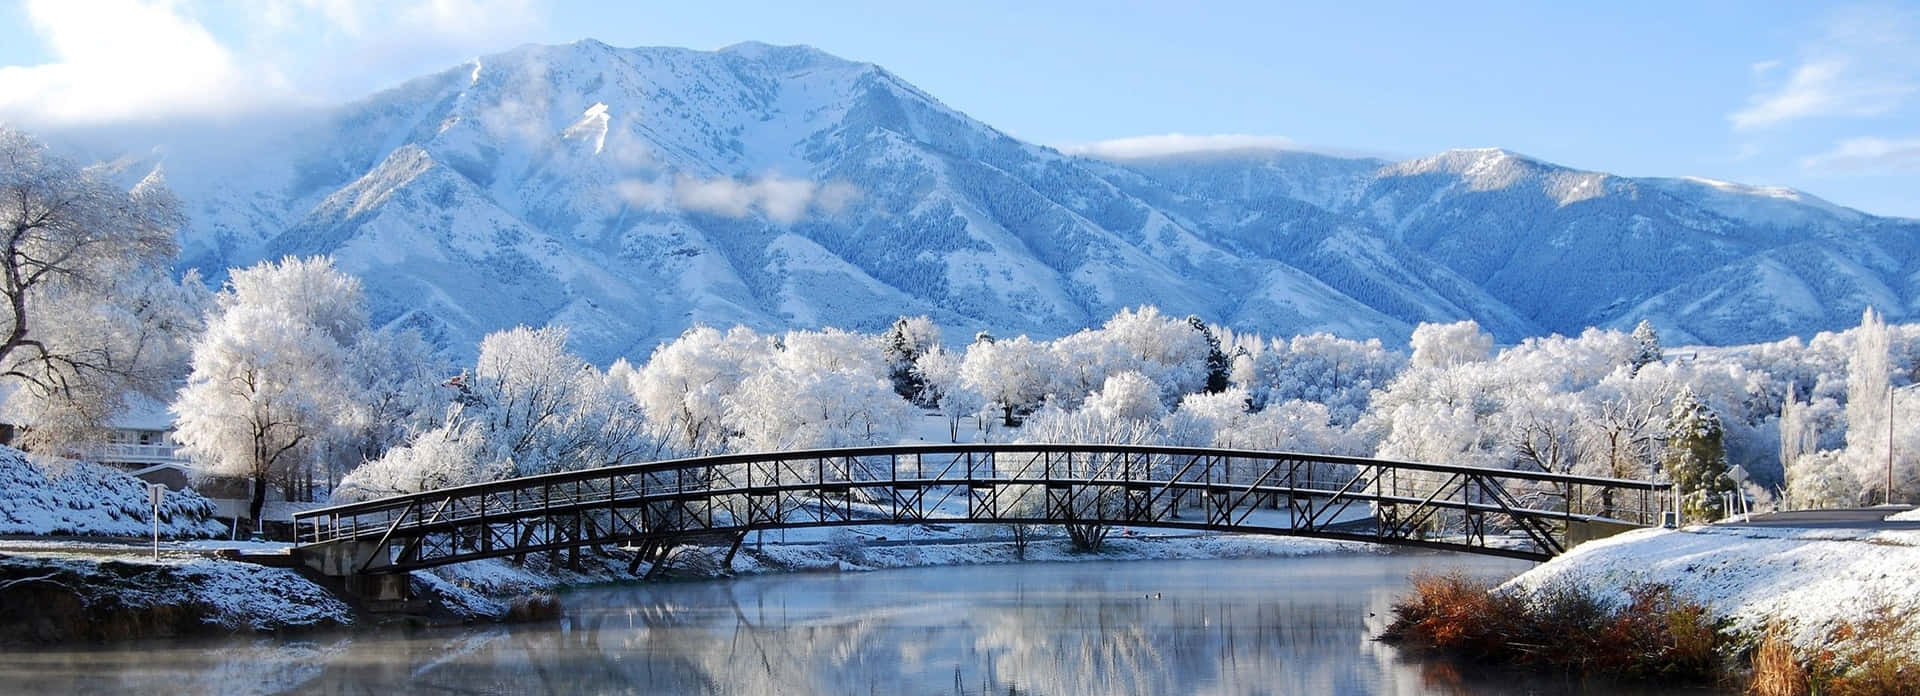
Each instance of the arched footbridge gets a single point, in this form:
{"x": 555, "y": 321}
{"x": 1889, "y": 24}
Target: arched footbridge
{"x": 656, "y": 505}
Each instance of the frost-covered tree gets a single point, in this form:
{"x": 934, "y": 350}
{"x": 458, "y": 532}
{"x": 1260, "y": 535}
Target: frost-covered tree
{"x": 1443, "y": 410}
{"x": 1646, "y": 343}
{"x": 89, "y": 313}
{"x": 1013, "y": 374}
{"x": 1697, "y": 457}
{"x": 1117, "y": 423}
{"x": 1292, "y": 426}
{"x": 270, "y": 385}
{"x": 904, "y": 343}
{"x": 1869, "y": 391}
{"x": 825, "y": 389}
{"x": 1204, "y": 419}
{"x": 684, "y": 388}
{"x": 398, "y": 380}
{"x": 1797, "y": 435}
{"x": 454, "y": 454}
{"x": 1323, "y": 368}
{"x": 1545, "y": 431}
{"x": 528, "y": 406}
{"x": 540, "y": 408}
{"x": 1081, "y": 362}
{"x": 1128, "y": 396}
{"x": 1171, "y": 352}
{"x": 939, "y": 370}
{"x": 1444, "y": 345}
{"x": 1627, "y": 416}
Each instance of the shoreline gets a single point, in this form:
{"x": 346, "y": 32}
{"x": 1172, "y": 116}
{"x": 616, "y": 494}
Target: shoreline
{"x": 1774, "y": 610}
{"x": 58, "y": 594}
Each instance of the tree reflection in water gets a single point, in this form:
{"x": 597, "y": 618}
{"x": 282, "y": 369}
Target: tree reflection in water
{"x": 1267, "y": 626}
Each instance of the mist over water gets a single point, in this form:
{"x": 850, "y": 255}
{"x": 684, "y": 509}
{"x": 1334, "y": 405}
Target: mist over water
{"x": 1267, "y": 626}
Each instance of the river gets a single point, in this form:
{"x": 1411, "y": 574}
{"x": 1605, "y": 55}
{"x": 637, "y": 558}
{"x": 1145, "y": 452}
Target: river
{"x": 1258, "y": 626}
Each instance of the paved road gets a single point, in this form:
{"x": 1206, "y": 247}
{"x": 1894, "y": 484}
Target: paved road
{"x": 1859, "y": 518}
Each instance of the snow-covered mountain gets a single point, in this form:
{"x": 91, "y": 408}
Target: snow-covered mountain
{"x": 630, "y": 193}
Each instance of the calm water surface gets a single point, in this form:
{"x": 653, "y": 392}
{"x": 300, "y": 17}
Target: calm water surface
{"x": 1269, "y": 626}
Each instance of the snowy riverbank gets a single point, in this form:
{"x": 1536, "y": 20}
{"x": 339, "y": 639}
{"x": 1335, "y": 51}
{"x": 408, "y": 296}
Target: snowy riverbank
{"x": 64, "y": 597}
{"x": 1805, "y": 581}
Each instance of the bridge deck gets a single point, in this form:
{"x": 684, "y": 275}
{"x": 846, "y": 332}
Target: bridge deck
{"x": 1412, "y": 503}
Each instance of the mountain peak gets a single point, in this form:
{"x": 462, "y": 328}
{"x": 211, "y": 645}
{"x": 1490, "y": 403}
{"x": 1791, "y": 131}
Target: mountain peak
{"x": 784, "y": 58}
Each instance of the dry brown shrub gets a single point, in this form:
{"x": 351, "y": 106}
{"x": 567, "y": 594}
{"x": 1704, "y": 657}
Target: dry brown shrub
{"x": 1655, "y": 635}
{"x": 1775, "y": 670}
{"x": 1868, "y": 658}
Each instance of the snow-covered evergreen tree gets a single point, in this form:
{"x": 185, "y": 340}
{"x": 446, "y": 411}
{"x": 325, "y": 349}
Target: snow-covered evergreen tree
{"x": 1646, "y": 343}
{"x": 1696, "y": 458}
{"x": 904, "y": 343}
{"x": 1219, "y": 366}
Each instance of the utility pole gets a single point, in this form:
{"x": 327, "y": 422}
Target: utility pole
{"x": 1888, "y": 498}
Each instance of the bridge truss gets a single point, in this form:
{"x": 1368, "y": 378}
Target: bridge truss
{"x": 1522, "y": 514}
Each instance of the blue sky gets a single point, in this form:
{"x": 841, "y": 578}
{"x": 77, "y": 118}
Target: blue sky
{"x": 1824, "y": 98}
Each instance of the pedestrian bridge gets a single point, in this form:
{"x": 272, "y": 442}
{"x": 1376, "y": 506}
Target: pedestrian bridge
{"x": 1086, "y": 487}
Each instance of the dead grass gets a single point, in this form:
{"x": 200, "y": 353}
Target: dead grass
{"x": 1867, "y": 658}
{"x": 1653, "y": 636}
{"x": 1775, "y": 670}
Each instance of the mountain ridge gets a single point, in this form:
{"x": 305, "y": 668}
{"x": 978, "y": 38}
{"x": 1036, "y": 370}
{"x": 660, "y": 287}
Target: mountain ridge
{"x": 632, "y": 192}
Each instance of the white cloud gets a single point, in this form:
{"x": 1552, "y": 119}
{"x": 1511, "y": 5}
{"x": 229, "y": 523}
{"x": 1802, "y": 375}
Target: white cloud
{"x": 1865, "y": 63}
{"x": 1177, "y": 144}
{"x": 1868, "y": 155}
{"x": 120, "y": 60}
{"x": 781, "y": 199}
{"x": 130, "y": 60}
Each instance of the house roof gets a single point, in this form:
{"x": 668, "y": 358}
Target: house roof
{"x": 143, "y": 413}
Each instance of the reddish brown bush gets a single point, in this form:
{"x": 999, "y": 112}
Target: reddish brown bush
{"x": 1452, "y": 613}
{"x": 1653, "y": 636}
{"x": 1867, "y": 658}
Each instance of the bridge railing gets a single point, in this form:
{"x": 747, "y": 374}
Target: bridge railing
{"x": 727, "y": 488}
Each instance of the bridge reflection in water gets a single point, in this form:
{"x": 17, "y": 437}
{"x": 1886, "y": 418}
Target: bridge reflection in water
{"x": 657, "y": 505}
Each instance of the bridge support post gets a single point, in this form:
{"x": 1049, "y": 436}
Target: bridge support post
{"x": 339, "y": 565}
{"x": 375, "y": 590}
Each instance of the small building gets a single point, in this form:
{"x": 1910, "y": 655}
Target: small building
{"x": 141, "y": 438}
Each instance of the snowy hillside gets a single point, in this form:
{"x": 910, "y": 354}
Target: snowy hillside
{"x": 1528, "y": 247}
{"x": 630, "y": 193}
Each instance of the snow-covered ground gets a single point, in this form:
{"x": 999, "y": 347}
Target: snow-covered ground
{"x": 77, "y": 498}
{"x": 59, "y": 596}
{"x": 1808, "y": 580}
